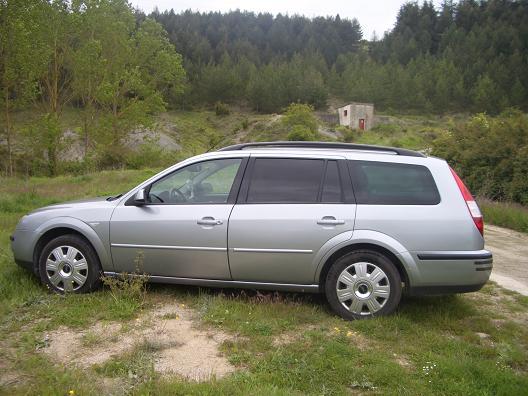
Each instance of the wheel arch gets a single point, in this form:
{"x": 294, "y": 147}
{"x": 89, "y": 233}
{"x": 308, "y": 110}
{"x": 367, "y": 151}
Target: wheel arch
{"x": 69, "y": 226}
{"x": 363, "y": 246}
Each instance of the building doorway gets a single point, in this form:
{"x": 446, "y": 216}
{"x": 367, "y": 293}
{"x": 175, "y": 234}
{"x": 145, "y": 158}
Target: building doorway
{"x": 362, "y": 123}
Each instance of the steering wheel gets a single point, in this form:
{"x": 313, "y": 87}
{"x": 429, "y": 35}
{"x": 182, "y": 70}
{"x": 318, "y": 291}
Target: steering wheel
{"x": 177, "y": 195}
{"x": 157, "y": 197}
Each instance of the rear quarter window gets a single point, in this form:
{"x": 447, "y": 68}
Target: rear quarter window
{"x": 387, "y": 183}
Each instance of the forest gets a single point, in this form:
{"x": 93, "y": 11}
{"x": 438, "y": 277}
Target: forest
{"x": 465, "y": 56}
{"x": 117, "y": 69}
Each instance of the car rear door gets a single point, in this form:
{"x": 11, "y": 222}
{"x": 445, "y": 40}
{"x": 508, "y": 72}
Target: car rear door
{"x": 287, "y": 209}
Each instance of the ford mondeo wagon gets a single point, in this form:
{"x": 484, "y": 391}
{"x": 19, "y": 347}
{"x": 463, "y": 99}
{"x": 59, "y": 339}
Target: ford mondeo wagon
{"x": 359, "y": 223}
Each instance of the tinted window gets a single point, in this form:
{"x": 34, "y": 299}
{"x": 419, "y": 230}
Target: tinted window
{"x": 205, "y": 182}
{"x": 332, "y": 184}
{"x": 285, "y": 180}
{"x": 382, "y": 183}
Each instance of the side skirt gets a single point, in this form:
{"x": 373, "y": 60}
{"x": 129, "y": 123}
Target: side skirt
{"x": 227, "y": 283}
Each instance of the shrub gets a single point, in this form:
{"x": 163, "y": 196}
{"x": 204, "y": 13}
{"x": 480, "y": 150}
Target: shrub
{"x": 221, "y": 109}
{"x": 245, "y": 123}
{"x": 149, "y": 155}
{"x": 300, "y": 133}
{"x": 299, "y": 114}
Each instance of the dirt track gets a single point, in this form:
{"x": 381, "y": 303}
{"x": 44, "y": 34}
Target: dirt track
{"x": 510, "y": 258}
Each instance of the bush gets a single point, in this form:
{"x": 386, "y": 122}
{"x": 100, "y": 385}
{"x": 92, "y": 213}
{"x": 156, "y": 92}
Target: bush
{"x": 221, "y": 109}
{"x": 149, "y": 155}
{"x": 299, "y": 133}
{"x": 348, "y": 134}
{"x": 490, "y": 154}
{"x": 299, "y": 114}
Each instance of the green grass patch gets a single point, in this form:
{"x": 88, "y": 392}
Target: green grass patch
{"x": 505, "y": 214}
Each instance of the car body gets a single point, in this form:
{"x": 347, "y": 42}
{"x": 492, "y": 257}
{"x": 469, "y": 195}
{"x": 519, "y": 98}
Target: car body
{"x": 277, "y": 216}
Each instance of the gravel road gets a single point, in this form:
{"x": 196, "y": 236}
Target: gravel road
{"x": 510, "y": 258}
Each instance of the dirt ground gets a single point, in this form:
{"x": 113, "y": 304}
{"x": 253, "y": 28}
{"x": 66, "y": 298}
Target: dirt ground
{"x": 181, "y": 348}
{"x": 510, "y": 258}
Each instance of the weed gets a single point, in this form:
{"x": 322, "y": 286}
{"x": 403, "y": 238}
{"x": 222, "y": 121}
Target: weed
{"x": 136, "y": 366}
{"x": 128, "y": 290}
{"x": 90, "y": 339}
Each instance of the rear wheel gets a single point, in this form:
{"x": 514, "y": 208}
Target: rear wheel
{"x": 363, "y": 284}
{"x": 70, "y": 264}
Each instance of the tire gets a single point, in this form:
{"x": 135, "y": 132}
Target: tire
{"x": 69, "y": 264}
{"x": 368, "y": 285}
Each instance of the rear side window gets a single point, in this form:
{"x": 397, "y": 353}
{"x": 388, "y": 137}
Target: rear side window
{"x": 384, "y": 183}
{"x": 332, "y": 191}
{"x": 285, "y": 180}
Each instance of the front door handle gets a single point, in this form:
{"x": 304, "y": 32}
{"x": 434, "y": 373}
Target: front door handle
{"x": 330, "y": 220}
{"x": 209, "y": 221}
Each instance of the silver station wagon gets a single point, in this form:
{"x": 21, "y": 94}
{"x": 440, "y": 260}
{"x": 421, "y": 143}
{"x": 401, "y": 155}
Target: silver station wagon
{"x": 359, "y": 223}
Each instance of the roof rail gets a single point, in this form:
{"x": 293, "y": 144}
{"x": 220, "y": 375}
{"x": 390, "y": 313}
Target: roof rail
{"x": 325, "y": 145}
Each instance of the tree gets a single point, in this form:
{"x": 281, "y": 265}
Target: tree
{"x": 19, "y": 62}
{"x": 56, "y": 36}
{"x": 100, "y": 22}
{"x": 160, "y": 65}
{"x": 130, "y": 93}
{"x": 485, "y": 95}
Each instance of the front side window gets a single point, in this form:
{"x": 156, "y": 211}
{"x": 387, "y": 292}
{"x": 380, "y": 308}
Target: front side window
{"x": 384, "y": 183}
{"x": 285, "y": 180}
{"x": 204, "y": 182}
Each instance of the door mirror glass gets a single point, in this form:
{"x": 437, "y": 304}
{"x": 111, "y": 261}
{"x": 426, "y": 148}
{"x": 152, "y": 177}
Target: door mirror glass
{"x": 139, "y": 197}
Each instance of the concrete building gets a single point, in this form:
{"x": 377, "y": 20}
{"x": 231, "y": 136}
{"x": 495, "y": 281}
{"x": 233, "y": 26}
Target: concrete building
{"x": 357, "y": 115}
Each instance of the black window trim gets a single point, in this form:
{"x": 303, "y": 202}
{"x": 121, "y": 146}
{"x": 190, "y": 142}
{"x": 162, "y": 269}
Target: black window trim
{"x": 347, "y": 195}
{"x": 352, "y": 162}
{"x": 231, "y": 198}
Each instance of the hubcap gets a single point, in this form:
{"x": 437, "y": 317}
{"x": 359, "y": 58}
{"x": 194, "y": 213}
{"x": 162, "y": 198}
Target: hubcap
{"x": 66, "y": 268}
{"x": 363, "y": 288}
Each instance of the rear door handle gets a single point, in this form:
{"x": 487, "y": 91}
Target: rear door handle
{"x": 330, "y": 220}
{"x": 209, "y": 221}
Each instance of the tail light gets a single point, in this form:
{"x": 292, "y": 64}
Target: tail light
{"x": 473, "y": 208}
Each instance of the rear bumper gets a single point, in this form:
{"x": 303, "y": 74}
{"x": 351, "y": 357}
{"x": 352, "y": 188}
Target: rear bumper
{"x": 443, "y": 290}
{"x": 450, "y": 272}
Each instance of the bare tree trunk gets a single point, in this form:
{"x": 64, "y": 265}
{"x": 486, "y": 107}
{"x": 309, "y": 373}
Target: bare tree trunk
{"x": 85, "y": 127}
{"x": 8, "y": 134}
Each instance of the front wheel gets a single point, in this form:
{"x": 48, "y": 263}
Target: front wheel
{"x": 362, "y": 284}
{"x": 69, "y": 263}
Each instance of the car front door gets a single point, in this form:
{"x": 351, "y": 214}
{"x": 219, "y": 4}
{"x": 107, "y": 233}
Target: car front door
{"x": 287, "y": 209}
{"x": 181, "y": 230}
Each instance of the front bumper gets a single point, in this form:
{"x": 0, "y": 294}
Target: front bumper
{"x": 22, "y": 242}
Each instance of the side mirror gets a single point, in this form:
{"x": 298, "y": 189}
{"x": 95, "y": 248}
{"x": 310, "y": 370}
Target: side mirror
{"x": 139, "y": 197}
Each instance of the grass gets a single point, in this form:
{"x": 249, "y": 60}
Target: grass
{"x": 286, "y": 344}
{"x": 505, "y": 214}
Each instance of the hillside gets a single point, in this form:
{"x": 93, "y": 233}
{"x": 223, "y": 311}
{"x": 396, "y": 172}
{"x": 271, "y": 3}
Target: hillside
{"x": 175, "y": 135}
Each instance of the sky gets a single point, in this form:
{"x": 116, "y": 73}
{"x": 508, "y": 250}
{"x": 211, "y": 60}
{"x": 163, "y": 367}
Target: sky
{"x": 373, "y": 15}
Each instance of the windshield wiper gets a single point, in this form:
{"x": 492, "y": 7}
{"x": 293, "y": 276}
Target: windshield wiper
{"x": 114, "y": 197}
